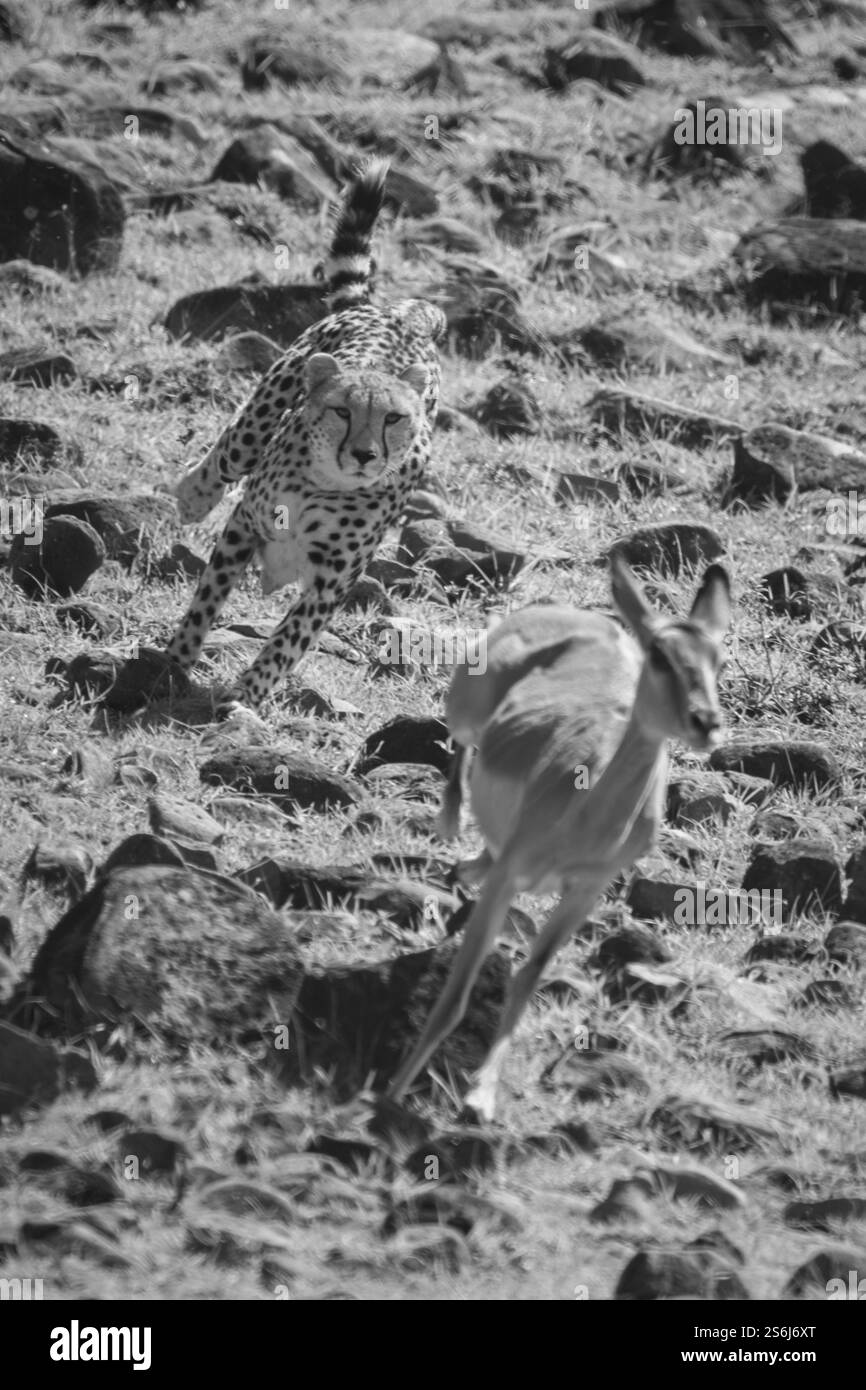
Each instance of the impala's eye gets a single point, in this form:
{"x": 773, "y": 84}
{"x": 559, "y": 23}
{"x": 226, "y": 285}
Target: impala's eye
{"x": 341, "y": 410}
{"x": 392, "y": 417}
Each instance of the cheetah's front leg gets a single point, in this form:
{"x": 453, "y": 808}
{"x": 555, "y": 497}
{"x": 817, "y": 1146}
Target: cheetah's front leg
{"x": 231, "y": 555}
{"x": 297, "y": 632}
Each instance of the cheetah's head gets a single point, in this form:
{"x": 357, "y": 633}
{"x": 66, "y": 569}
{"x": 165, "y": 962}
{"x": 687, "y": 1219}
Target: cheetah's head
{"x": 361, "y": 422}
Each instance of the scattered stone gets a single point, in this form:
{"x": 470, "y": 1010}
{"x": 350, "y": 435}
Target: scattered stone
{"x": 581, "y": 487}
{"x": 456, "y": 1207}
{"x": 702, "y": 1126}
{"x": 835, "y": 184}
{"x": 265, "y": 156}
{"x": 816, "y": 1274}
{"x": 63, "y": 867}
{"x": 452, "y": 1157}
{"x": 460, "y": 555}
{"x": 408, "y": 738}
{"x": 14, "y": 22}
{"x": 92, "y": 619}
{"x": 594, "y": 57}
{"x": 632, "y": 944}
{"x": 772, "y": 460}
{"x": 734, "y": 29}
{"x": 629, "y": 1199}
{"x": 69, "y": 552}
{"x": 446, "y": 232}
{"x": 33, "y": 440}
{"x": 508, "y": 409}
{"x": 827, "y": 994}
{"x": 668, "y": 548}
{"x": 127, "y": 526}
{"x": 36, "y": 366}
{"x": 825, "y": 1212}
{"x": 850, "y": 1078}
{"x": 128, "y": 685}
{"x": 801, "y": 766}
{"x": 28, "y": 279}
{"x": 766, "y": 1046}
{"x": 646, "y": 341}
{"x": 188, "y": 955}
{"x": 710, "y": 158}
{"x": 805, "y": 261}
{"x": 170, "y": 816}
{"x": 247, "y": 352}
{"x": 56, "y": 213}
{"x": 665, "y": 1274}
{"x": 154, "y": 1153}
{"x": 783, "y": 950}
{"x": 846, "y": 944}
{"x": 354, "y": 1022}
{"x": 804, "y": 872}
{"x": 700, "y": 800}
{"x": 184, "y": 74}
{"x": 855, "y": 869}
{"x": 33, "y": 1072}
{"x": 291, "y": 780}
{"x": 590, "y": 1076}
{"x": 623, "y": 411}
{"x": 266, "y": 61}
{"x": 279, "y": 312}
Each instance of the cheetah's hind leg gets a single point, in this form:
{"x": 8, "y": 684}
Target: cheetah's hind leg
{"x": 200, "y": 489}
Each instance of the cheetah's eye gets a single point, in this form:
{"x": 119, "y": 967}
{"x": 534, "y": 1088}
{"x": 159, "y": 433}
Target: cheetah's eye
{"x": 341, "y": 410}
{"x": 392, "y": 417}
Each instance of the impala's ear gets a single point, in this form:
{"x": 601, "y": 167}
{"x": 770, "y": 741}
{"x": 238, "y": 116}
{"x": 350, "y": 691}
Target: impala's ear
{"x": 319, "y": 369}
{"x": 629, "y": 599}
{"x": 712, "y": 606}
{"x": 416, "y": 377}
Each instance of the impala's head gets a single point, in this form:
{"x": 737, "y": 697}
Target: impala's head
{"x": 361, "y": 422}
{"x": 677, "y": 694}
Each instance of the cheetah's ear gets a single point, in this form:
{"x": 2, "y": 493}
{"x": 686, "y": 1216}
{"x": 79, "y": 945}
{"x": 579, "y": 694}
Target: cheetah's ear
{"x": 318, "y": 369}
{"x": 416, "y": 376}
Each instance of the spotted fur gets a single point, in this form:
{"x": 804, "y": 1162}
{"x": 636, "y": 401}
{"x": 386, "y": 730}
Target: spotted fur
{"x": 322, "y": 487}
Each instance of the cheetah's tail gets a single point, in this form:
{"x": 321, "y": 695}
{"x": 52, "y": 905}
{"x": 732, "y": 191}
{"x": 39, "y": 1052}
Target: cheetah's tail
{"x": 349, "y": 266}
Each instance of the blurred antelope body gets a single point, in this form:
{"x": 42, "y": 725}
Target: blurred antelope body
{"x": 571, "y": 721}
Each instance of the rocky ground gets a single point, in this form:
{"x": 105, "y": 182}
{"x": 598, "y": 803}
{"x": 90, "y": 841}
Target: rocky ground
{"x": 212, "y": 951}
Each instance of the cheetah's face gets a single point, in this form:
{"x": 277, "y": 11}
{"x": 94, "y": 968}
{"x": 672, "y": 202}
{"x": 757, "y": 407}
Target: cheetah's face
{"x": 361, "y": 422}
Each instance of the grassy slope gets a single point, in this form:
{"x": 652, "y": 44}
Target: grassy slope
{"x": 211, "y": 1098}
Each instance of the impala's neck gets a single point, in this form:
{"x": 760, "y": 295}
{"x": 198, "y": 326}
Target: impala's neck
{"x": 602, "y": 827}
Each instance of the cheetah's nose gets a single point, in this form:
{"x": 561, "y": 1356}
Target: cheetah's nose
{"x": 363, "y": 456}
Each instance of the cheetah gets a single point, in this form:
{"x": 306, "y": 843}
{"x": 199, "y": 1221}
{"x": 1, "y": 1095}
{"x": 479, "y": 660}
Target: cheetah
{"x": 331, "y": 442}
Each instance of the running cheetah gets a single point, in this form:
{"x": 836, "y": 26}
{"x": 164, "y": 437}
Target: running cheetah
{"x": 332, "y": 441}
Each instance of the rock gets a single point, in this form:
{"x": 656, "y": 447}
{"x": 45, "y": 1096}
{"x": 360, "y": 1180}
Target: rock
{"x": 855, "y": 869}
{"x": 803, "y": 261}
{"x": 447, "y": 232}
{"x": 69, "y": 552}
{"x": 36, "y": 366}
{"x": 783, "y": 950}
{"x": 28, "y": 279}
{"x": 112, "y": 122}
{"x": 652, "y": 900}
{"x": 772, "y": 460}
{"x": 785, "y": 592}
{"x": 707, "y": 141}
{"x": 352, "y": 1022}
{"x": 669, "y": 548}
{"x": 765, "y": 1046}
{"x": 814, "y": 1276}
{"x": 128, "y": 526}
{"x": 459, "y": 554}
{"x": 280, "y": 312}
{"x": 824, "y": 1212}
{"x": 92, "y": 619}
{"x": 184, "y": 74}
{"x": 408, "y": 738}
{"x": 265, "y": 156}
{"x": 33, "y": 1072}
{"x": 288, "y": 883}
{"x": 508, "y": 409}
{"x": 666, "y": 1274}
{"x": 631, "y": 944}
{"x": 646, "y": 341}
{"x": 56, "y": 213}
{"x": 842, "y": 641}
{"x": 14, "y": 22}
{"x": 701, "y": 1126}
{"x": 699, "y": 799}
{"x": 289, "y": 779}
{"x": 804, "y": 872}
{"x": 846, "y": 944}
{"x": 452, "y": 1157}
{"x": 247, "y": 352}
{"x": 63, "y": 867}
{"x": 266, "y": 61}
{"x": 849, "y": 1079}
{"x": 35, "y": 442}
{"x": 828, "y": 995}
{"x": 594, "y": 57}
{"x": 733, "y": 29}
{"x": 179, "y": 563}
{"x": 800, "y": 765}
{"x": 628, "y": 1199}
{"x": 170, "y": 816}
{"x": 620, "y": 410}
{"x": 136, "y": 851}
{"x": 152, "y": 1152}
{"x": 128, "y": 685}
{"x": 594, "y": 1076}
{"x": 835, "y": 184}
{"x": 190, "y": 956}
